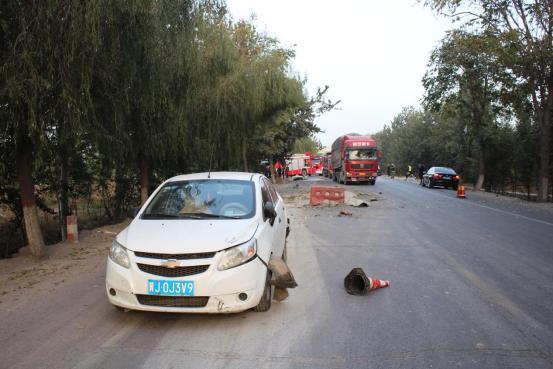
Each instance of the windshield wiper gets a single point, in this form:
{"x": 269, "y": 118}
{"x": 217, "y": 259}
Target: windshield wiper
{"x": 159, "y": 216}
{"x": 201, "y": 215}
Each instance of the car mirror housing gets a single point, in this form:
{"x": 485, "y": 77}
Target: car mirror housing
{"x": 269, "y": 210}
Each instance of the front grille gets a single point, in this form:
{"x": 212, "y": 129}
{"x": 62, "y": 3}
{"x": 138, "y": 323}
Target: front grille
{"x": 362, "y": 166}
{"x": 152, "y": 255}
{"x": 173, "y": 301}
{"x": 172, "y": 272}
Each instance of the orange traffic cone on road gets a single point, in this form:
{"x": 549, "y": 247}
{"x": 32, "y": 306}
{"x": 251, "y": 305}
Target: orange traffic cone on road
{"x": 357, "y": 282}
{"x": 461, "y": 191}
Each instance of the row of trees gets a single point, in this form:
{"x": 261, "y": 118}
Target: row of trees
{"x": 98, "y": 96}
{"x": 488, "y": 104}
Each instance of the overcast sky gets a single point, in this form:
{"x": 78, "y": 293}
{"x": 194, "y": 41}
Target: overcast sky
{"x": 372, "y": 53}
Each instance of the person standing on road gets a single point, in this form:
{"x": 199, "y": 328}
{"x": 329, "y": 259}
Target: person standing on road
{"x": 421, "y": 172}
{"x": 409, "y": 171}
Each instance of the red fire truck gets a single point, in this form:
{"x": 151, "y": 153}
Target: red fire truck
{"x": 355, "y": 159}
{"x": 302, "y": 165}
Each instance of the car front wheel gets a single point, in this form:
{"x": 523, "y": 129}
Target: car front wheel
{"x": 265, "y": 302}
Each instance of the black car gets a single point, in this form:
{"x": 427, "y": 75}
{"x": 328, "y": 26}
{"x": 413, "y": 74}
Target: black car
{"x": 440, "y": 176}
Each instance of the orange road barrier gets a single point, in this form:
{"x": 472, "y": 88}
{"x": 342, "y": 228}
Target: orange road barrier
{"x": 72, "y": 229}
{"x": 461, "y": 192}
{"x": 357, "y": 282}
{"x": 330, "y": 194}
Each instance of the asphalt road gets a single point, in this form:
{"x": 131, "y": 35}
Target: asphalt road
{"x": 472, "y": 287}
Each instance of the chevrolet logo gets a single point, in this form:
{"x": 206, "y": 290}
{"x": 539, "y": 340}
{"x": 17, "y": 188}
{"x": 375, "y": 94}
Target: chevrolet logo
{"x": 170, "y": 263}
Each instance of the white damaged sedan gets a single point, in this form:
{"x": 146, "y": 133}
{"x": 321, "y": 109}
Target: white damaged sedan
{"x": 200, "y": 244}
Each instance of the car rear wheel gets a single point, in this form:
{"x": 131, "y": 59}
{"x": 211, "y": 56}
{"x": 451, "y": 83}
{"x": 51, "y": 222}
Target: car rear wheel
{"x": 265, "y": 302}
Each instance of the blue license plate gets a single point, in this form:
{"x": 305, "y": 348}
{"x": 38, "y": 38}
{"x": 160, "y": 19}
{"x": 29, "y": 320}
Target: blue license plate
{"x": 447, "y": 177}
{"x": 170, "y": 288}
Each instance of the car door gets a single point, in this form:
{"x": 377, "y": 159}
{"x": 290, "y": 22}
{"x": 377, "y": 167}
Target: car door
{"x": 280, "y": 221}
{"x": 268, "y": 228}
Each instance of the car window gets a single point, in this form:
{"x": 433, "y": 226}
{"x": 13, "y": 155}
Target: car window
{"x": 265, "y": 194}
{"x": 272, "y": 191}
{"x": 209, "y": 198}
{"x": 444, "y": 170}
{"x": 430, "y": 171}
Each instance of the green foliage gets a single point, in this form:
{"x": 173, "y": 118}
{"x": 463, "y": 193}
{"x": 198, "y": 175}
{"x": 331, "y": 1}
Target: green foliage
{"x": 93, "y": 88}
{"x": 518, "y": 42}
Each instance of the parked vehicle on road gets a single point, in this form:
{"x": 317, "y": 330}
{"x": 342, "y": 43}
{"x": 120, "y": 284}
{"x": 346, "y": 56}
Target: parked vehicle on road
{"x": 327, "y": 170}
{"x": 200, "y": 244}
{"x": 300, "y": 165}
{"x": 316, "y": 164}
{"x": 355, "y": 159}
{"x": 441, "y": 176}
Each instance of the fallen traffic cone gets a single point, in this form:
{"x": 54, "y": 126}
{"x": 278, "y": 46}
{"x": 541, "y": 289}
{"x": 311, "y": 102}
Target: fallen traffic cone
{"x": 357, "y": 282}
{"x": 461, "y": 192}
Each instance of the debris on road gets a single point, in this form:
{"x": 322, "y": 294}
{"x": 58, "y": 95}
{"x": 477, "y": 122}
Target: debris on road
{"x": 357, "y": 282}
{"x": 280, "y": 294}
{"x": 282, "y": 278}
{"x": 282, "y": 275}
{"x": 344, "y": 212}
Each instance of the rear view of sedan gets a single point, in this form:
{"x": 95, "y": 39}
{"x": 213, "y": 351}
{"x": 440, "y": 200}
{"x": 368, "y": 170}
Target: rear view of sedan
{"x": 441, "y": 176}
{"x": 200, "y": 243}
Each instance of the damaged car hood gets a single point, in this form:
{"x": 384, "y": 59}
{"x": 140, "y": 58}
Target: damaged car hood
{"x": 177, "y": 236}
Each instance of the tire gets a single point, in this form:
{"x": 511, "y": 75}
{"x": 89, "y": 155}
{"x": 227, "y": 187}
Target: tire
{"x": 430, "y": 185}
{"x": 372, "y": 183}
{"x": 456, "y": 187}
{"x": 267, "y": 297}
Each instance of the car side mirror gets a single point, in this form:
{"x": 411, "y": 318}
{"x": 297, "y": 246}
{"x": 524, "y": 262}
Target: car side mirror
{"x": 269, "y": 210}
{"x": 131, "y": 212}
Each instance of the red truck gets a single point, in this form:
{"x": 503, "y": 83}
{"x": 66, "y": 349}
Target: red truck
{"x": 327, "y": 166}
{"x": 355, "y": 158}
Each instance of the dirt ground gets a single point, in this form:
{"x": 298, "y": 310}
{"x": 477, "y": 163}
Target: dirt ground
{"x": 22, "y": 273}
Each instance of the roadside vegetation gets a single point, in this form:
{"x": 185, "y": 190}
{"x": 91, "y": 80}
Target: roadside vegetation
{"x": 101, "y": 100}
{"x": 487, "y": 109}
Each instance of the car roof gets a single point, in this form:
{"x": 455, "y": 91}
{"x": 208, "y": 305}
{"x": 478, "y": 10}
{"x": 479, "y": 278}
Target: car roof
{"x": 240, "y": 176}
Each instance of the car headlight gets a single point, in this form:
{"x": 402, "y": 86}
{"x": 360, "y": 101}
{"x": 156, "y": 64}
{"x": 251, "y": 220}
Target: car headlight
{"x": 238, "y": 255}
{"x": 119, "y": 254}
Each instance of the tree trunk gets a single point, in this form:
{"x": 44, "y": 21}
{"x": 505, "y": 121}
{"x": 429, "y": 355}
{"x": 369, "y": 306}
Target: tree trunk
{"x": 30, "y": 214}
{"x": 144, "y": 181}
{"x": 481, "y": 169}
{"x": 245, "y": 153}
{"x": 272, "y": 169}
{"x": 64, "y": 203}
{"x": 545, "y": 131}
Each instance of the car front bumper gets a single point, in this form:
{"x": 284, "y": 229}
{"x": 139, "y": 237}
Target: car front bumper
{"x": 358, "y": 177}
{"x": 221, "y": 288}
